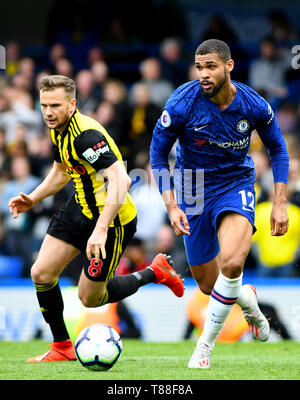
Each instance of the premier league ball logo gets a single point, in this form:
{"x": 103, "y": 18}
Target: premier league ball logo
{"x": 165, "y": 119}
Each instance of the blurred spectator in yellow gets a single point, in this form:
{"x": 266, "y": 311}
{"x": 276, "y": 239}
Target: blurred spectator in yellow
{"x": 256, "y": 143}
{"x": 143, "y": 117}
{"x": 13, "y": 55}
{"x": 276, "y": 254}
{"x": 18, "y": 147}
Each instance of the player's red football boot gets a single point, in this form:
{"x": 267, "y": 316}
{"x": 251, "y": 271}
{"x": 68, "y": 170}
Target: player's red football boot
{"x": 165, "y": 274}
{"x": 59, "y": 351}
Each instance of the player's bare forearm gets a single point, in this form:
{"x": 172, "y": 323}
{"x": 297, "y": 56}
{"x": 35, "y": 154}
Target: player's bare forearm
{"x": 97, "y": 240}
{"x": 53, "y": 183}
{"x": 116, "y": 193}
{"x": 169, "y": 199}
{"x": 118, "y": 186}
{"x": 178, "y": 218}
{"x": 279, "y": 217}
{"x": 280, "y": 193}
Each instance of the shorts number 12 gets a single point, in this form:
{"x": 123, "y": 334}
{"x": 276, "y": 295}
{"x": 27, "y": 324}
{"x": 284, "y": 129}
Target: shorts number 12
{"x": 245, "y": 205}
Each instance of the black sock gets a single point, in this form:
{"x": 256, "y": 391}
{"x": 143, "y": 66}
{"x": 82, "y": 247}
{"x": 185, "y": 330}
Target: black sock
{"x": 52, "y": 306}
{"x": 120, "y": 287}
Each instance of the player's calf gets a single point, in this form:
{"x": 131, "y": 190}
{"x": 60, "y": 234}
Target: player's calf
{"x": 95, "y": 294}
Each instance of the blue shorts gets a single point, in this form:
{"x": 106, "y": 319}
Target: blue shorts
{"x": 202, "y": 244}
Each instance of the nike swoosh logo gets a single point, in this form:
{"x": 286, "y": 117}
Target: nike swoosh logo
{"x": 42, "y": 356}
{"x": 200, "y": 127}
{"x": 171, "y": 272}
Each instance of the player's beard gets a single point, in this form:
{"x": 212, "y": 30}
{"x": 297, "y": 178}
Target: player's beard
{"x": 60, "y": 124}
{"x": 215, "y": 89}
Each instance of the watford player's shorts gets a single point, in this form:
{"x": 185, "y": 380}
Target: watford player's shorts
{"x": 70, "y": 225}
{"x": 202, "y": 244}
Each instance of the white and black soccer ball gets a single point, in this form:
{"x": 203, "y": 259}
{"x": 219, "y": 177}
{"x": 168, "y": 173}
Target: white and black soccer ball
{"x": 98, "y": 347}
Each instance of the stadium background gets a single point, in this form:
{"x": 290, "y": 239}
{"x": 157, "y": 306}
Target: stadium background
{"x": 126, "y": 57}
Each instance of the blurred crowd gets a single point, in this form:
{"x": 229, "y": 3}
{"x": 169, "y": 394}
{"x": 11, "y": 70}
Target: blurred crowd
{"x": 129, "y": 109}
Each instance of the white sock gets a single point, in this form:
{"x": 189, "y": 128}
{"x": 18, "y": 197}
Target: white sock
{"x": 221, "y": 301}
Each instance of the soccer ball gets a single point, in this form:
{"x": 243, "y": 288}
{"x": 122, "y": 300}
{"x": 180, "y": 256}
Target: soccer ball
{"x": 98, "y": 347}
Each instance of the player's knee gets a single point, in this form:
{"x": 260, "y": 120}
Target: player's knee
{"x": 90, "y": 301}
{"x": 205, "y": 285}
{"x": 92, "y": 298}
{"x": 39, "y": 275}
{"x": 232, "y": 266}
{"x": 205, "y": 288}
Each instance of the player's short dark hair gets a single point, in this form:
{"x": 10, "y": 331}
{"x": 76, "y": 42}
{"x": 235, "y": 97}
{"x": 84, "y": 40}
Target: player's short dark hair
{"x": 214, "y": 46}
{"x": 52, "y": 82}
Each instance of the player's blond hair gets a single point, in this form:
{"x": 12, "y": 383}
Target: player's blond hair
{"x": 52, "y": 82}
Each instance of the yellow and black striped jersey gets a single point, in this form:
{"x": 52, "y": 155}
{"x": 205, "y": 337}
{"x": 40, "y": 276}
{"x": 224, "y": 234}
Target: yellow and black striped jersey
{"x": 85, "y": 148}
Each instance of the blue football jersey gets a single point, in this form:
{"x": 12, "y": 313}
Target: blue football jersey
{"x": 212, "y": 148}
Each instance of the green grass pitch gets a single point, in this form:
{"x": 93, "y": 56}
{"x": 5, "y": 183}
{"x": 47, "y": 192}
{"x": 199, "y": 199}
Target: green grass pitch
{"x": 160, "y": 361}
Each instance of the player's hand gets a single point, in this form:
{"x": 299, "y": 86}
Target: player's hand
{"x": 179, "y": 221}
{"x": 20, "y": 204}
{"x": 96, "y": 245}
{"x": 279, "y": 220}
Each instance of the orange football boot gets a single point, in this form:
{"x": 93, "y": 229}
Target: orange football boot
{"x": 59, "y": 351}
{"x": 165, "y": 274}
